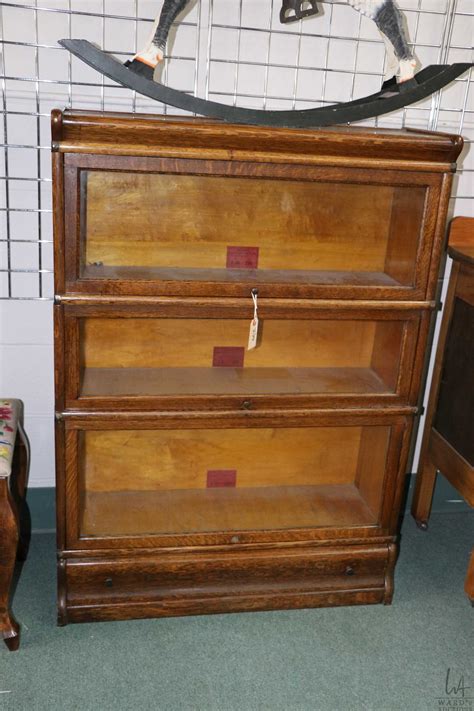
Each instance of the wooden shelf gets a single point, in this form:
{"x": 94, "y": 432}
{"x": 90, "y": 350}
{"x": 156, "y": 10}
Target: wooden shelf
{"x": 253, "y": 276}
{"x": 133, "y": 513}
{"x": 150, "y": 382}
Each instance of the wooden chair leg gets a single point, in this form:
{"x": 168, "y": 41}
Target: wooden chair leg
{"x": 423, "y": 494}
{"x": 469, "y": 584}
{"x": 9, "y": 535}
{"x": 19, "y": 488}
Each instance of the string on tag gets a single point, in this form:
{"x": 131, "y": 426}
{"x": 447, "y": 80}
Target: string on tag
{"x": 254, "y": 293}
{"x": 253, "y": 333}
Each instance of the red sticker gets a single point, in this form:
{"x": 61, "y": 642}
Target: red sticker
{"x": 221, "y": 477}
{"x": 242, "y": 258}
{"x": 228, "y": 356}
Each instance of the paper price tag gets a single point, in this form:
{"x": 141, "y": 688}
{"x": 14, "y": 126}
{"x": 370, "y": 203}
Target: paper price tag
{"x": 253, "y": 334}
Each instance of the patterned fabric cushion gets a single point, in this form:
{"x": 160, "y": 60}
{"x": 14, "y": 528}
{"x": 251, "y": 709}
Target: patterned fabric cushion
{"x": 10, "y": 412}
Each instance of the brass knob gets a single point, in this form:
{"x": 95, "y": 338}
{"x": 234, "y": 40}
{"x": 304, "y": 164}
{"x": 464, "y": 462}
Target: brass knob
{"x": 246, "y": 405}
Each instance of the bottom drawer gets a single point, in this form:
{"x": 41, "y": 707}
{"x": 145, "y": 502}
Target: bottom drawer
{"x": 193, "y": 582}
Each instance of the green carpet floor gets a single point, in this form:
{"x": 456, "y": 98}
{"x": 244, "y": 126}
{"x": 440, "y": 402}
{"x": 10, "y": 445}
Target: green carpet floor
{"x": 371, "y": 657}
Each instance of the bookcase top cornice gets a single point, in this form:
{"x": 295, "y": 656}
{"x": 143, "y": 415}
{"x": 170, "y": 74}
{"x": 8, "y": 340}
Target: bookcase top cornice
{"x": 146, "y": 134}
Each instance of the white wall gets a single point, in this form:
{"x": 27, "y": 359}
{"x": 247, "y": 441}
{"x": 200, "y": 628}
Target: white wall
{"x": 26, "y": 372}
{"x": 292, "y": 66}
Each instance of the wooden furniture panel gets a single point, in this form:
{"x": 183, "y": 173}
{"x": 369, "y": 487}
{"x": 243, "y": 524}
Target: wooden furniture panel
{"x": 196, "y": 221}
{"x": 405, "y": 220}
{"x": 209, "y": 582}
{"x": 454, "y": 419}
{"x": 448, "y": 439}
{"x": 147, "y": 482}
{"x": 193, "y": 220}
{"x": 14, "y": 514}
{"x": 180, "y": 479}
{"x": 194, "y": 475}
{"x": 151, "y": 343}
{"x": 212, "y": 255}
{"x": 148, "y": 358}
{"x": 181, "y": 459}
{"x": 145, "y": 513}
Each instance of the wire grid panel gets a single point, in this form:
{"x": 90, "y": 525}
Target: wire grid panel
{"x": 233, "y": 51}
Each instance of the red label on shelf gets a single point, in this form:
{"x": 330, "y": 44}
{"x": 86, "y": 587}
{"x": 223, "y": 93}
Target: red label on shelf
{"x": 242, "y": 258}
{"x": 221, "y": 477}
{"x": 228, "y": 356}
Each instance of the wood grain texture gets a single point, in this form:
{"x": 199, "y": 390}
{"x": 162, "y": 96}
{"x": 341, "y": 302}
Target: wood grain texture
{"x": 166, "y": 343}
{"x": 189, "y": 306}
{"x": 117, "y": 383}
{"x": 454, "y": 467}
{"x": 404, "y": 224}
{"x": 389, "y": 583}
{"x": 447, "y": 439}
{"x": 9, "y": 538}
{"x": 424, "y": 490}
{"x": 461, "y": 239}
{"x": 143, "y": 259}
{"x": 146, "y": 477}
{"x": 191, "y": 220}
{"x": 210, "y": 582}
{"x": 180, "y": 459}
{"x": 15, "y": 529}
{"x": 387, "y": 352}
{"x": 305, "y": 356}
{"x": 371, "y": 467}
{"x": 59, "y": 357}
{"x": 141, "y": 513}
{"x": 349, "y": 224}
{"x": 105, "y": 132}
{"x": 425, "y": 480}
{"x": 57, "y": 170}
{"x": 454, "y": 418}
{"x": 225, "y": 419}
{"x": 465, "y": 284}
{"x": 436, "y": 214}
{"x": 60, "y": 467}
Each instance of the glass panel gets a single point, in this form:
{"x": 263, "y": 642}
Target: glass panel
{"x": 195, "y": 227}
{"x": 153, "y": 356}
{"x": 192, "y": 480}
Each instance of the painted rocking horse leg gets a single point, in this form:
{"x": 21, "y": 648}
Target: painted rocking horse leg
{"x": 390, "y": 23}
{"x": 384, "y": 13}
{"x": 145, "y": 61}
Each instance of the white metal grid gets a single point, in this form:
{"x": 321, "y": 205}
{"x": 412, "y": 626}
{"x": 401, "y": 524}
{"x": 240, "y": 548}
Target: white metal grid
{"x": 234, "y": 51}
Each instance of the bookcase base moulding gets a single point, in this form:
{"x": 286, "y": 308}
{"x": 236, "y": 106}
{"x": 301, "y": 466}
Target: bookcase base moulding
{"x": 195, "y": 475}
{"x": 204, "y": 582}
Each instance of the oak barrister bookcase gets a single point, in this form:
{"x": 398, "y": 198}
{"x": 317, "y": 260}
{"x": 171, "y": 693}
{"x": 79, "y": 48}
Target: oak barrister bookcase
{"x": 194, "y": 475}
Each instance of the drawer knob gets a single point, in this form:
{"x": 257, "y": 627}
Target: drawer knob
{"x": 109, "y": 582}
{"x": 349, "y": 570}
{"x": 235, "y": 539}
{"x": 246, "y": 405}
